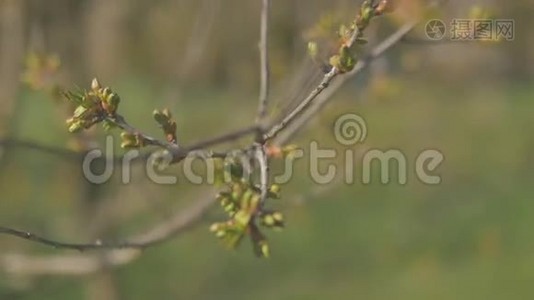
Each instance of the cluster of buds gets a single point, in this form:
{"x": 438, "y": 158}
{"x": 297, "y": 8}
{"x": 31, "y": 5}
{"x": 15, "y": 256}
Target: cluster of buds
{"x": 242, "y": 203}
{"x": 41, "y": 72}
{"x": 345, "y": 57}
{"x": 132, "y": 140}
{"x": 272, "y": 219}
{"x": 167, "y": 124}
{"x": 230, "y": 232}
{"x": 370, "y": 9}
{"x": 228, "y": 170}
{"x": 383, "y": 7}
{"x": 282, "y": 152}
{"x": 92, "y": 106}
{"x": 344, "y": 60}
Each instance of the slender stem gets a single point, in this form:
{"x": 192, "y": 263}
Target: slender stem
{"x": 224, "y": 138}
{"x": 57, "y": 244}
{"x": 120, "y": 121}
{"x": 181, "y": 152}
{"x": 63, "y": 152}
{"x": 377, "y": 51}
{"x": 262, "y": 159}
{"x": 259, "y": 146}
{"x": 161, "y": 232}
{"x": 264, "y": 61}
{"x": 303, "y": 105}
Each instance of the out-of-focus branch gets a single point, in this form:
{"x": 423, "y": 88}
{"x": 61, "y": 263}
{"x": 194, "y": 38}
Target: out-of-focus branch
{"x": 264, "y": 61}
{"x": 260, "y": 153}
{"x": 159, "y": 233}
{"x": 287, "y": 120}
{"x": 198, "y": 42}
{"x": 63, "y": 152}
{"x": 184, "y": 151}
{"x": 113, "y": 255}
{"x": 198, "y": 38}
{"x": 221, "y": 139}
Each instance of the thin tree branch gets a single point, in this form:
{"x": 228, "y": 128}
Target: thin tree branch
{"x": 198, "y": 42}
{"x": 263, "y": 162}
{"x": 259, "y": 146}
{"x": 57, "y": 244}
{"x": 156, "y": 235}
{"x": 199, "y": 37}
{"x": 120, "y": 121}
{"x": 221, "y": 139}
{"x": 277, "y": 128}
{"x": 379, "y": 50}
{"x": 67, "y": 153}
{"x": 264, "y": 61}
{"x": 328, "y": 77}
{"x": 183, "y": 152}
{"x": 334, "y": 72}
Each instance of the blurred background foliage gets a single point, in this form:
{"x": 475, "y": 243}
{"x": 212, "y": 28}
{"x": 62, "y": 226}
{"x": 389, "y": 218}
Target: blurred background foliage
{"x": 467, "y": 238}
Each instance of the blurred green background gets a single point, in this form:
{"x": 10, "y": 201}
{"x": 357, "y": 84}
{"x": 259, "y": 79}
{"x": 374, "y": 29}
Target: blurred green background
{"x": 466, "y": 238}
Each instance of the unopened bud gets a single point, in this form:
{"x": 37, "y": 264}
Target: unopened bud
{"x": 95, "y": 85}
{"x": 383, "y": 7}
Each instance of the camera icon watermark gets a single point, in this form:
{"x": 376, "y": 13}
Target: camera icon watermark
{"x": 471, "y": 30}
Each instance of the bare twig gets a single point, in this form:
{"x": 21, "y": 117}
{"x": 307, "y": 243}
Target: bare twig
{"x": 277, "y": 128}
{"x": 221, "y": 139}
{"x": 259, "y": 149}
{"x": 263, "y": 162}
{"x": 63, "y": 152}
{"x": 198, "y": 38}
{"x": 305, "y": 80}
{"x": 120, "y": 121}
{"x": 297, "y": 111}
{"x": 359, "y": 25}
{"x": 156, "y": 235}
{"x": 321, "y": 101}
{"x": 198, "y": 42}
{"x": 72, "y": 154}
{"x": 264, "y": 61}
{"x": 57, "y": 244}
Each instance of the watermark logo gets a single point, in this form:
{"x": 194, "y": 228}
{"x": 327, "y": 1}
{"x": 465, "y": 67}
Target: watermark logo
{"x": 435, "y": 29}
{"x": 472, "y": 30}
{"x": 350, "y": 129}
{"x": 324, "y": 164}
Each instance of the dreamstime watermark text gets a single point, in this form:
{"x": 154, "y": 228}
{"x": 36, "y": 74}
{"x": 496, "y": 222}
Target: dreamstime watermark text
{"x": 323, "y": 165}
